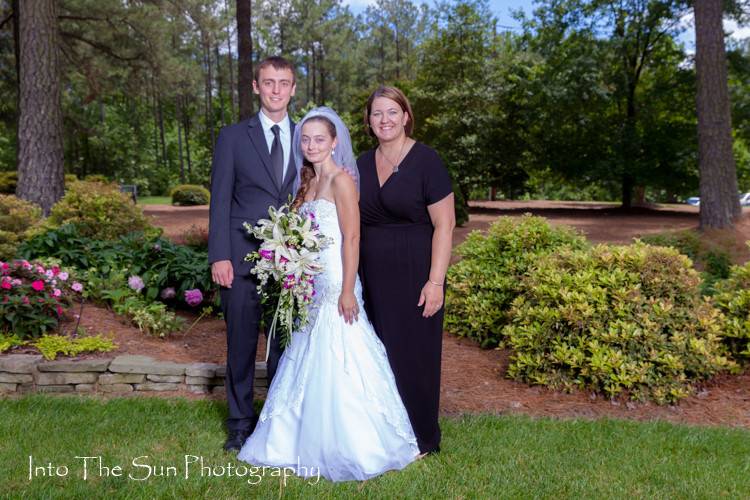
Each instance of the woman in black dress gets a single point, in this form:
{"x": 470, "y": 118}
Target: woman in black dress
{"x": 407, "y": 215}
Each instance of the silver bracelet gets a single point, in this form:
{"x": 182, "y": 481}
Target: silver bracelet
{"x": 436, "y": 284}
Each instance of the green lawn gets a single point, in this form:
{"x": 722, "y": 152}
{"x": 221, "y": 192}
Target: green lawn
{"x": 154, "y": 200}
{"x": 483, "y": 456}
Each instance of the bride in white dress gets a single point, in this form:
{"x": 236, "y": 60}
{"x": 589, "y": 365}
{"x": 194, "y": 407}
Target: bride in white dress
{"x": 333, "y": 405}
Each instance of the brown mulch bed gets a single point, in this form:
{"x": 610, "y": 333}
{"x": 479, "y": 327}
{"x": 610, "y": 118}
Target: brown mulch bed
{"x": 472, "y": 378}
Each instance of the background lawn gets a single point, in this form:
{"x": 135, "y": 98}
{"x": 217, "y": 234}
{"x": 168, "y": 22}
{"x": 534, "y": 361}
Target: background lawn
{"x": 154, "y": 200}
{"x": 483, "y": 456}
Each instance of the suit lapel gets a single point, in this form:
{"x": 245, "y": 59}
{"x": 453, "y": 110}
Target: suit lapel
{"x": 291, "y": 168}
{"x": 255, "y": 131}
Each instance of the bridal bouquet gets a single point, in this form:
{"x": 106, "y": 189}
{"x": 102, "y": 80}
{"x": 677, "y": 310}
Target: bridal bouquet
{"x": 286, "y": 264}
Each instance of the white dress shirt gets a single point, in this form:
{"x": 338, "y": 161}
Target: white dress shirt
{"x": 285, "y": 136}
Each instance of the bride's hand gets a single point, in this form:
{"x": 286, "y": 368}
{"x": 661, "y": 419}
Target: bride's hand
{"x": 348, "y": 307}
{"x": 431, "y": 298}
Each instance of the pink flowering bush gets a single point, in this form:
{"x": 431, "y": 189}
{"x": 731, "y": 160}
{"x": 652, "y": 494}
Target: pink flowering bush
{"x": 34, "y": 299}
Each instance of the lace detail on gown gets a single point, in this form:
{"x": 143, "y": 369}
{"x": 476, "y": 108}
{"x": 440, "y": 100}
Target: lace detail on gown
{"x": 324, "y": 347}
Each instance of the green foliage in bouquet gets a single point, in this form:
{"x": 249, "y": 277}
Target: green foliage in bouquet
{"x": 17, "y": 219}
{"x": 616, "y": 319}
{"x": 190, "y": 194}
{"x": 482, "y": 285}
{"x": 733, "y": 299}
{"x": 98, "y": 211}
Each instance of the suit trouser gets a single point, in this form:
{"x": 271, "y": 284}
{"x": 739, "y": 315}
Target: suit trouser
{"x": 242, "y": 312}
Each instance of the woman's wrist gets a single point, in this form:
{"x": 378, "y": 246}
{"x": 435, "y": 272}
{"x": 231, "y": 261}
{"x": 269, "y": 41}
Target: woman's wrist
{"x": 436, "y": 283}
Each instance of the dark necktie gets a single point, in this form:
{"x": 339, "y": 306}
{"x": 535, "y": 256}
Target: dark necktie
{"x": 277, "y": 156}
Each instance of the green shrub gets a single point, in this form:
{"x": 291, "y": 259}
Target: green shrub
{"x": 733, "y": 299}
{"x": 98, "y": 178}
{"x": 196, "y": 238}
{"x": 98, "y": 211}
{"x": 159, "y": 262}
{"x": 189, "y": 194}
{"x": 616, "y": 319}
{"x": 17, "y": 218}
{"x": 8, "y": 181}
{"x": 709, "y": 257}
{"x": 70, "y": 179}
{"x": 485, "y": 281}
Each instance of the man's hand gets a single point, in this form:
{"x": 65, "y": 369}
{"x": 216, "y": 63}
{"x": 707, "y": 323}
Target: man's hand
{"x": 222, "y": 273}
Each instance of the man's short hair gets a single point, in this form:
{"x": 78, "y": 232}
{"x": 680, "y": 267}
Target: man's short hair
{"x": 276, "y": 62}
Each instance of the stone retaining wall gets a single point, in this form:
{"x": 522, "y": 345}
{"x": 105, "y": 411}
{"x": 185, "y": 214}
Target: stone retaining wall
{"x": 21, "y": 373}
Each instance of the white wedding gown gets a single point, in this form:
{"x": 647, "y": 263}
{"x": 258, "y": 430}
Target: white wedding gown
{"x": 333, "y": 405}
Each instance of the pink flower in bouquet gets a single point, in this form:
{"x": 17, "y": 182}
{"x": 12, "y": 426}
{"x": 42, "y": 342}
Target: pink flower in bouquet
{"x": 77, "y": 287}
{"x": 25, "y": 300}
{"x": 289, "y": 281}
{"x": 63, "y": 276}
{"x": 4, "y": 267}
{"x": 168, "y": 293}
{"x": 266, "y": 254}
{"x": 55, "y": 270}
{"x": 16, "y": 282}
{"x": 25, "y": 264}
{"x": 56, "y": 292}
{"x": 38, "y": 285}
{"x": 40, "y": 269}
{"x": 283, "y": 259}
{"x": 59, "y": 311}
{"x": 6, "y": 285}
{"x": 136, "y": 283}
{"x": 49, "y": 273}
{"x": 193, "y": 297}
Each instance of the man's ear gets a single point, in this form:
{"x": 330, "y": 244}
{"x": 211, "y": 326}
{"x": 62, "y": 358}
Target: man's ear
{"x": 294, "y": 88}
{"x": 256, "y": 90}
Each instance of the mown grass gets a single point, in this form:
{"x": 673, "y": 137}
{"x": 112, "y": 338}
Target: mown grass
{"x": 483, "y": 456}
{"x": 154, "y": 200}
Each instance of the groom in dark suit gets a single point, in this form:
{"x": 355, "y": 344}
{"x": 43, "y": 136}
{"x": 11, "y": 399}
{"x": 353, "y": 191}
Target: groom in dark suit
{"x": 252, "y": 170}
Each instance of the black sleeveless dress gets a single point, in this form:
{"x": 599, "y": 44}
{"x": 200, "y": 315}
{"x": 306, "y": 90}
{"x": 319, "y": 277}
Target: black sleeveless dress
{"x": 395, "y": 259}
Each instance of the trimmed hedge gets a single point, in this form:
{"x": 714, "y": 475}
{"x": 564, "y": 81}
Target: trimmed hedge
{"x": 190, "y": 194}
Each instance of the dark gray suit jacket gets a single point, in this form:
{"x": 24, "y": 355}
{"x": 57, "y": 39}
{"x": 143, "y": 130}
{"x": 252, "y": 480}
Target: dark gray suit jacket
{"x": 242, "y": 189}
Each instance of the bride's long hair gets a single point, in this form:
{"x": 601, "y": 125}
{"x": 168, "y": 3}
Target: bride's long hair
{"x": 307, "y": 173}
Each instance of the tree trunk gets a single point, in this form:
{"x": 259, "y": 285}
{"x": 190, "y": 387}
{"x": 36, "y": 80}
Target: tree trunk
{"x": 179, "y": 138}
{"x": 40, "y": 145}
{"x": 245, "y": 58}
{"x": 220, "y": 85}
{"x": 186, "y": 117}
{"x": 231, "y": 67}
{"x": 160, "y": 115}
{"x": 719, "y": 205}
{"x": 155, "y": 112}
{"x": 209, "y": 88}
{"x": 16, "y": 50}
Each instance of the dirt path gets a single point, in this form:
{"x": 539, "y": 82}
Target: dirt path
{"x": 472, "y": 378}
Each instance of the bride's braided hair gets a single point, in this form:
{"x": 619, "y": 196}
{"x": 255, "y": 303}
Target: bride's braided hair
{"x": 307, "y": 173}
